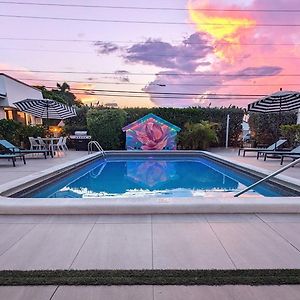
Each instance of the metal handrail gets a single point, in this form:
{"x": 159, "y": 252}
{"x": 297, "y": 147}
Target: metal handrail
{"x": 268, "y": 177}
{"x": 97, "y": 145}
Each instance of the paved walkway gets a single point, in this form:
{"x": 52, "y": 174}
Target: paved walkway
{"x": 35, "y": 163}
{"x": 271, "y": 164}
{"x": 150, "y": 242}
{"x": 291, "y": 292}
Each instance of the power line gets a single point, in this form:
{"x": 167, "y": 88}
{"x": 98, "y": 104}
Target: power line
{"x": 132, "y": 55}
{"x": 138, "y": 22}
{"x": 162, "y": 97}
{"x": 164, "y": 93}
{"x": 168, "y": 84}
{"x": 154, "y": 74}
{"x": 148, "y": 8}
{"x": 142, "y": 42}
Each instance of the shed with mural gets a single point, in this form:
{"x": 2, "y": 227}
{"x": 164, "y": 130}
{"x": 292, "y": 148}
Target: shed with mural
{"x": 151, "y": 133}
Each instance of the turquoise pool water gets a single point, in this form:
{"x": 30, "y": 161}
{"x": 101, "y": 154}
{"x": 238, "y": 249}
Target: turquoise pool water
{"x": 153, "y": 176}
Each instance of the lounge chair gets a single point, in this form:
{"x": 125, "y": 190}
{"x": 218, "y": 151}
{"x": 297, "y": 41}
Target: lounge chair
{"x": 294, "y": 156}
{"x": 272, "y": 147}
{"x": 295, "y": 151}
{"x": 13, "y": 157}
{"x": 15, "y": 150}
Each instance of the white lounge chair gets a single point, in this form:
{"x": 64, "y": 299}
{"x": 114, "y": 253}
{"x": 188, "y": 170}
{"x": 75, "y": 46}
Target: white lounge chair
{"x": 272, "y": 147}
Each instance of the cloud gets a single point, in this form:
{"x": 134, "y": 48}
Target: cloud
{"x": 105, "y": 47}
{"x": 254, "y": 72}
{"x": 185, "y": 57}
{"x": 183, "y": 84}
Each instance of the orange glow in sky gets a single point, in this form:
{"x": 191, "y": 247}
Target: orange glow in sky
{"x": 226, "y": 30}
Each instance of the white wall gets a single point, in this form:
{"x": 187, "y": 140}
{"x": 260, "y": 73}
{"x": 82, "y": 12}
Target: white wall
{"x": 2, "y": 113}
{"x": 16, "y": 91}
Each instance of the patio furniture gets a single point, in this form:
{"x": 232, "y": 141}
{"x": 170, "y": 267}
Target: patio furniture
{"x": 58, "y": 146}
{"x": 295, "y": 151}
{"x": 42, "y": 143}
{"x": 13, "y": 157}
{"x": 15, "y": 150}
{"x": 272, "y": 147}
{"x": 51, "y": 144}
{"x": 294, "y": 156}
{"x": 64, "y": 143}
{"x": 34, "y": 144}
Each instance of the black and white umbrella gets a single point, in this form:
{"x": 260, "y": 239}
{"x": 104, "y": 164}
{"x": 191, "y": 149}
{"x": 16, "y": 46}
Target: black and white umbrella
{"x": 278, "y": 102}
{"x": 46, "y": 109}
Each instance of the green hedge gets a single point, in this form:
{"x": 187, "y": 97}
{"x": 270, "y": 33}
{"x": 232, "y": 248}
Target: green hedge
{"x": 177, "y": 116}
{"x": 105, "y": 126}
{"x": 265, "y": 128}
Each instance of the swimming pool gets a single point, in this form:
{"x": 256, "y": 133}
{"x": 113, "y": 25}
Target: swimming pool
{"x": 154, "y": 176}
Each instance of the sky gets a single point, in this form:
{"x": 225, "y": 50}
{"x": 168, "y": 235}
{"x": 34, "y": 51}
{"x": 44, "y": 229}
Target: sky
{"x": 194, "y": 53}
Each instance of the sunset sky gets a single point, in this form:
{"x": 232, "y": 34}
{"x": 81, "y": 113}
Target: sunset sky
{"x": 215, "y": 52}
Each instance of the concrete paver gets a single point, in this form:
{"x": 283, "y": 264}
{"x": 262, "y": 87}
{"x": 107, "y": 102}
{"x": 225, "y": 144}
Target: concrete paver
{"x": 256, "y": 245}
{"x": 187, "y": 246}
{"x": 46, "y": 246}
{"x": 286, "y": 292}
{"x": 26, "y": 292}
{"x": 104, "y": 293}
{"x": 116, "y": 246}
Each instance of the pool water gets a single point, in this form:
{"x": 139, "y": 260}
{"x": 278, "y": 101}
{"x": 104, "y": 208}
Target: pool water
{"x": 154, "y": 176}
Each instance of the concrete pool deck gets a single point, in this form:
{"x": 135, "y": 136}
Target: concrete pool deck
{"x": 184, "y": 241}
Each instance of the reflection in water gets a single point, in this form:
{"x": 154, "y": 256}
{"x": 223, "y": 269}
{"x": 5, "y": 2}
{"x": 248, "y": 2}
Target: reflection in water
{"x": 151, "y": 173}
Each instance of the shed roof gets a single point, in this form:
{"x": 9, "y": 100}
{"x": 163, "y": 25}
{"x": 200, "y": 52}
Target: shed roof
{"x": 153, "y": 116}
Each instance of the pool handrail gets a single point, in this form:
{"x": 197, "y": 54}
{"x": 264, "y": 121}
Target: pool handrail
{"x": 268, "y": 177}
{"x": 97, "y": 145}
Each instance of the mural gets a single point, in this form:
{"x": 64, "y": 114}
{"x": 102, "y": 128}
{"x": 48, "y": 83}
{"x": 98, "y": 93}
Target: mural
{"x": 151, "y": 133}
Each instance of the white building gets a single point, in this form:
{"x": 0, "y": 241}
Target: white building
{"x": 13, "y": 90}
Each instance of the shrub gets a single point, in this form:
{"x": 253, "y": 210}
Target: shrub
{"x": 291, "y": 133}
{"x": 77, "y": 123}
{"x": 105, "y": 126}
{"x": 265, "y": 127}
{"x": 10, "y": 130}
{"x": 198, "y": 136}
{"x": 30, "y": 130}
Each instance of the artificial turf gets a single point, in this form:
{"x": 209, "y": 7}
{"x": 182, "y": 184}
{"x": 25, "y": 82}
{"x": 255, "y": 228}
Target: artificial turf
{"x": 151, "y": 277}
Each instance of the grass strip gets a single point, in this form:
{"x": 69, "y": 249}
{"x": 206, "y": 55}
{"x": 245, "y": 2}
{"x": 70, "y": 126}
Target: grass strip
{"x": 151, "y": 277}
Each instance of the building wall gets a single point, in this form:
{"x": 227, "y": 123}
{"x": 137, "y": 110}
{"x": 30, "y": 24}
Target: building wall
{"x": 2, "y": 113}
{"x": 16, "y": 91}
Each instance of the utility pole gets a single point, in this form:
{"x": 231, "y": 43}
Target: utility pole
{"x": 227, "y": 131}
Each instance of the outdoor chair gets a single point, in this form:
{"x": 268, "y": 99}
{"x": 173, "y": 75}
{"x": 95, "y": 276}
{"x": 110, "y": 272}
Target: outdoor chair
{"x": 34, "y": 145}
{"x": 293, "y": 156}
{"x": 15, "y": 150}
{"x": 295, "y": 151}
{"x": 64, "y": 143}
{"x": 13, "y": 157}
{"x": 272, "y": 147}
{"x": 42, "y": 143}
{"x": 58, "y": 146}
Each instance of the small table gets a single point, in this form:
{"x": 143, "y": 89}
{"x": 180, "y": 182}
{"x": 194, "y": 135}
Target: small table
{"x": 50, "y": 142}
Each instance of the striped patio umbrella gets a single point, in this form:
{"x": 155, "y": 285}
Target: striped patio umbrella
{"x": 278, "y": 102}
{"x": 46, "y": 109}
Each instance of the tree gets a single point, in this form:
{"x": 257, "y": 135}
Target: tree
{"x": 198, "y": 136}
{"x": 62, "y": 94}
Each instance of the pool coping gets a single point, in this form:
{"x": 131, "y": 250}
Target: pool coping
{"x": 151, "y": 205}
